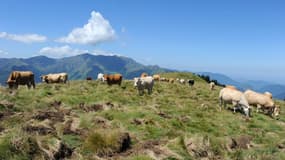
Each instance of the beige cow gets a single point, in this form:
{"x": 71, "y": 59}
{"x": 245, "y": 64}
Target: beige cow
{"x": 55, "y": 78}
{"x": 234, "y": 97}
{"x": 262, "y": 101}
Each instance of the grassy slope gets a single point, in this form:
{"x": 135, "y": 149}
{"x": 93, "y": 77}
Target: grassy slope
{"x": 187, "y": 113}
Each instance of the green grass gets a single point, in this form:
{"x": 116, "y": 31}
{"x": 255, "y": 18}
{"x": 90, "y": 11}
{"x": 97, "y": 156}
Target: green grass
{"x": 171, "y": 113}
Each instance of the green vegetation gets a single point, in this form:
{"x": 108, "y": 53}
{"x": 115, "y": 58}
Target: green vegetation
{"x": 89, "y": 119}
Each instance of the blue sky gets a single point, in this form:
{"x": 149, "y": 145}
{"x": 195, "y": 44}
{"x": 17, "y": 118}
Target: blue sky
{"x": 241, "y": 38}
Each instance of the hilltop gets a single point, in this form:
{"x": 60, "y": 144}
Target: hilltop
{"x": 91, "y": 120}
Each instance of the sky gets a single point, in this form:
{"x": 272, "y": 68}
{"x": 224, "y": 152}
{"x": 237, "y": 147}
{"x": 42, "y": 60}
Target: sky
{"x": 244, "y": 39}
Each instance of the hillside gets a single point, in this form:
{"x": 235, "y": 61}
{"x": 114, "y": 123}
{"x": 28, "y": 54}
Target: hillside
{"x": 277, "y": 90}
{"x": 78, "y": 67}
{"x": 91, "y": 120}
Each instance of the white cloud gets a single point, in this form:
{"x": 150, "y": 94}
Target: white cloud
{"x": 95, "y": 31}
{"x": 59, "y": 52}
{"x": 26, "y": 38}
{"x": 3, "y": 53}
{"x": 104, "y": 53}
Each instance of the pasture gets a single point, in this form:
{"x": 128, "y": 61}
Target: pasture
{"x": 91, "y": 120}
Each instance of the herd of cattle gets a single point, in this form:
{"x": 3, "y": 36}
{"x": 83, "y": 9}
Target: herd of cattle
{"x": 229, "y": 94}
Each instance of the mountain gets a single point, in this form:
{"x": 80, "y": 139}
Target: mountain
{"x": 277, "y": 90}
{"x": 223, "y": 79}
{"x": 78, "y": 67}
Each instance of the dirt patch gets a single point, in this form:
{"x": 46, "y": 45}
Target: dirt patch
{"x": 6, "y": 104}
{"x": 90, "y": 108}
{"x": 198, "y": 147}
{"x": 6, "y": 114}
{"x": 41, "y": 128}
{"x": 71, "y": 126}
{"x": 55, "y": 104}
{"x": 56, "y": 150}
{"x": 51, "y": 115}
{"x": 241, "y": 142}
{"x": 164, "y": 115}
{"x": 102, "y": 122}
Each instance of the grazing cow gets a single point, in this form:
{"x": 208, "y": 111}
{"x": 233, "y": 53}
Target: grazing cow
{"x": 212, "y": 85}
{"x": 113, "y": 79}
{"x": 144, "y": 83}
{"x": 163, "y": 79}
{"x": 100, "y": 77}
{"x": 261, "y": 101}
{"x": 55, "y": 78}
{"x": 156, "y": 77}
{"x": 191, "y": 82}
{"x": 235, "y": 97}
{"x": 171, "y": 80}
{"x": 182, "y": 81}
{"x": 89, "y": 78}
{"x": 268, "y": 94}
{"x": 21, "y": 78}
{"x": 144, "y": 74}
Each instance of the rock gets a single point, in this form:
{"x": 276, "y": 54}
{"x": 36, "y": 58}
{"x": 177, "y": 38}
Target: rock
{"x": 241, "y": 142}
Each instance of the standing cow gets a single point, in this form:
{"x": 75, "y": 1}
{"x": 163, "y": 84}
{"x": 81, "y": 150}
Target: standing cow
{"x": 113, "y": 79}
{"x": 235, "y": 97}
{"x": 191, "y": 82}
{"x": 144, "y": 83}
{"x": 212, "y": 85}
{"x": 17, "y": 78}
{"x": 55, "y": 78}
{"x": 100, "y": 77}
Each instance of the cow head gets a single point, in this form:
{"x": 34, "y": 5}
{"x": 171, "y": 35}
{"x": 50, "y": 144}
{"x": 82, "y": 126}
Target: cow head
{"x": 276, "y": 111}
{"x": 137, "y": 81}
{"x": 11, "y": 84}
{"x": 44, "y": 78}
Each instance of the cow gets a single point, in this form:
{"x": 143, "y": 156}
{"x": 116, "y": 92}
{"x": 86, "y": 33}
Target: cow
{"x": 55, "y": 78}
{"x": 100, "y": 77}
{"x": 191, "y": 82}
{"x": 144, "y": 74}
{"x": 89, "y": 78}
{"x": 17, "y": 78}
{"x": 182, "y": 81}
{"x": 212, "y": 85}
{"x": 113, "y": 79}
{"x": 171, "y": 80}
{"x": 156, "y": 77}
{"x": 268, "y": 94}
{"x": 236, "y": 98}
{"x": 143, "y": 83}
{"x": 262, "y": 101}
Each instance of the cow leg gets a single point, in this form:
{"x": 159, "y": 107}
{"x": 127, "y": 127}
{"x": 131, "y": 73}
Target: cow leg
{"x": 235, "y": 104}
{"x": 29, "y": 86}
{"x": 258, "y": 107}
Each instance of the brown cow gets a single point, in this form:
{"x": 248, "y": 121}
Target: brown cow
{"x": 156, "y": 77}
{"x": 21, "y": 78}
{"x": 171, "y": 80}
{"x": 113, "y": 79}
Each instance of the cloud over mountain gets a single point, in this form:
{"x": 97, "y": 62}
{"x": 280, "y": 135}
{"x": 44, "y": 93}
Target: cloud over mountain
{"x": 62, "y": 51}
{"x": 97, "y": 30}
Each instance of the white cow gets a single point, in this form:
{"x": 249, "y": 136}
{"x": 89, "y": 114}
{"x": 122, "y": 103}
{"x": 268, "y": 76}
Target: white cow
{"x": 261, "y": 101}
{"x": 235, "y": 97}
{"x": 182, "y": 81}
{"x": 212, "y": 85}
{"x": 100, "y": 77}
{"x": 143, "y": 83}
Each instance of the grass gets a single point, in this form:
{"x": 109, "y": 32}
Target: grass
{"x": 171, "y": 113}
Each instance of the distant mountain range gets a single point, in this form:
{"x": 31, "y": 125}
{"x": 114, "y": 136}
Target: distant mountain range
{"x": 78, "y": 67}
{"x": 277, "y": 90}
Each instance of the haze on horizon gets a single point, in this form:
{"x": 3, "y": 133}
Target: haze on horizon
{"x": 242, "y": 39}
